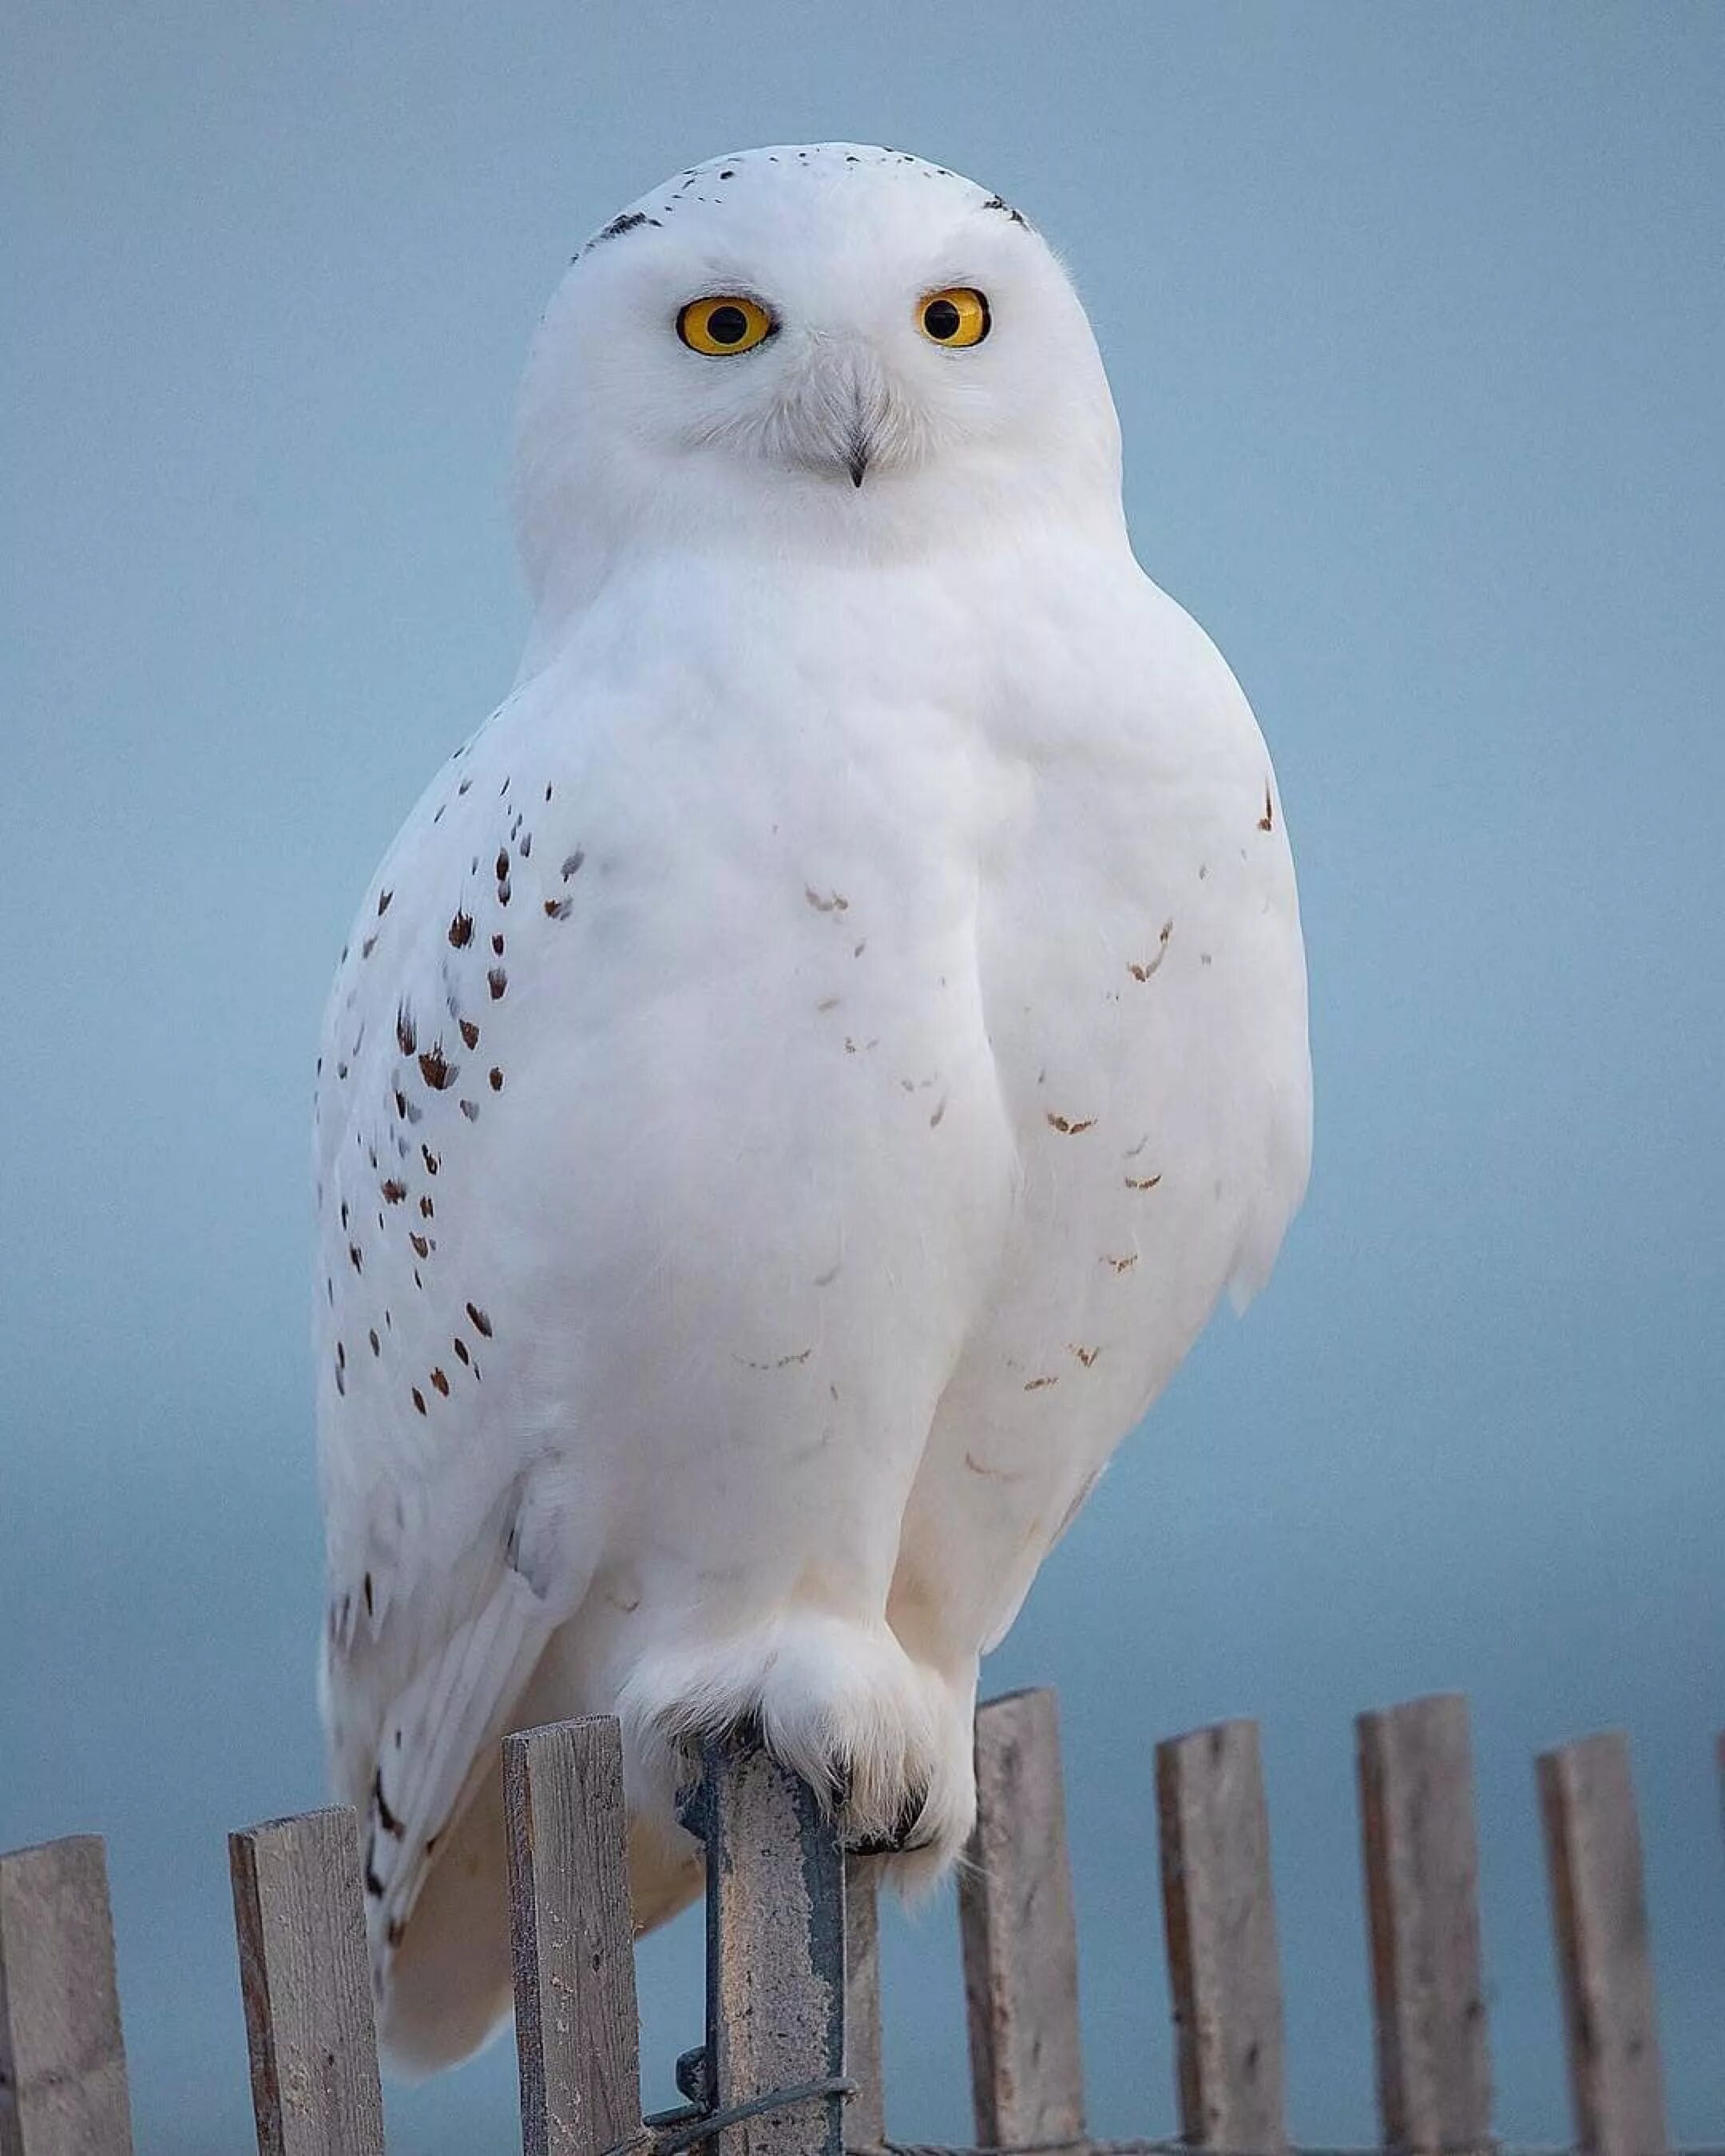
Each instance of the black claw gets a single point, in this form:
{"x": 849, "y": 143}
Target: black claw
{"x": 904, "y": 1829}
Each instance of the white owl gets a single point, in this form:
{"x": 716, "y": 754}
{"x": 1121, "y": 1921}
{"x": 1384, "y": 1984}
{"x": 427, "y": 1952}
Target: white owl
{"x": 807, "y": 1068}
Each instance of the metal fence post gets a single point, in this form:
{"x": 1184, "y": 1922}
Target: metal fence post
{"x": 775, "y": 1952}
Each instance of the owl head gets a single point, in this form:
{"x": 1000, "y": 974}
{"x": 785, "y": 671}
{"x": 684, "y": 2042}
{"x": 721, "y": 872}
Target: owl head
{"x": 832, "y": 346}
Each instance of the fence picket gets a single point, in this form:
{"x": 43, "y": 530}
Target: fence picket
{"x": 62, "y": 2088}
{"x": 1220, "y": 1917}
{"x": 775, "y": 1966}
{"x": 577, "y": 2036}
{"x": 1721, "y": 1749}
{"x": 299, "y": 1916}
{"x": 1593, "y": 1847}
{"x": 865, "y": 2123}
{"x": 1019, "y": 1938}
{"x": 1421, "y": 1855}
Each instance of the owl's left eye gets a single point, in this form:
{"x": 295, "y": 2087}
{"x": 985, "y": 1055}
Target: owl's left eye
{"x": 959, "y": 315}
{"x": 725, "y": 324}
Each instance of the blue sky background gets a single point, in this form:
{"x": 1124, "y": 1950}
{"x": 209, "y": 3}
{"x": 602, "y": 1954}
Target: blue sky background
{"x": 1414, "y": 318}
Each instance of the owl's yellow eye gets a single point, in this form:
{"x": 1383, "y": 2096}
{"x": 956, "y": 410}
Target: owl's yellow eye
{"x": 727, "y": 324}
{"x": 958, "y": 315}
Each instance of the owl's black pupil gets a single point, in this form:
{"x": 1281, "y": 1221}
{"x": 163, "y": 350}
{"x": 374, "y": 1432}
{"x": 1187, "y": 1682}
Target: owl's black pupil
{"x": 941, "y": 319}
{"x": 727, "y": 325}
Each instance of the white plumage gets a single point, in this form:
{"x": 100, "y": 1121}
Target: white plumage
{"x": 806, "y": 1070}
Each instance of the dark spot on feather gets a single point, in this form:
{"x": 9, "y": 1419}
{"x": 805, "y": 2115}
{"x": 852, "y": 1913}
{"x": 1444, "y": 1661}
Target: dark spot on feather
{"x": 461, "y": 930}
{"x": 496, "y": 1078}
{"x": 422, "y": 1248}
{"x": 480, "y": 1323}
{"x": 358, "y": 1262}
{"x": 394, "y": 1191}
{"x": 460, "y": 1346}
{"x": 405, "y": 1032}
{"x": 437, "y": 1073}
{"x": 469, "y": 1033}
{"x": 418, "y": 1397}
{"x": 377, "y": 1348}
{"x": 571, "y": 865}
{"x": 558, "y": 909}
{"x": 470, "y": 1110}
{"x": 441, "y": 1382}
{"x": 497, "y": 980}
{"x": 628, "y": 221}
{"x": 383, "y": 899}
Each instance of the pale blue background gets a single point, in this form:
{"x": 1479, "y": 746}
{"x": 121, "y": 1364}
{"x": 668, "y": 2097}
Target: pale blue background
{"x": 1414, "y": 318}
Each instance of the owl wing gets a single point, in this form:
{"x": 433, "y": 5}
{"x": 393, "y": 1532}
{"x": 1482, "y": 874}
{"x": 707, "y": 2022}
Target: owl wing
{"x": 448, "y": 1564}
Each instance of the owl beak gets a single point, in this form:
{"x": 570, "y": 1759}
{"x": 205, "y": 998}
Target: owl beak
{"x": 839, "y": 411}
{"x": 850, "y": 410}
{"x": 870, "y": 403}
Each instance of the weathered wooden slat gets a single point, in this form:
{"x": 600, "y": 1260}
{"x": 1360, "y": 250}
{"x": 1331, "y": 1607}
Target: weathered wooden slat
{"x": 1421, "y": 1855}
{"x": 1722, "y": 1776}
{"x": 577, "y": 2037}
{"x": 63, "y": 2089}
{"x": 1019, "y": 1938}
{"x": 775, "y": 1953}
{"x": 865, "y": 2119}
{"x": 1593, "y": 1847}
{"x": 1219, "y": 1913}
{"x": 299, "y": 1915}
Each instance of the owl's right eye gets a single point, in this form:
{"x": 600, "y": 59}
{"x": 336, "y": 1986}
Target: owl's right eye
{"x": 724, "y": 324}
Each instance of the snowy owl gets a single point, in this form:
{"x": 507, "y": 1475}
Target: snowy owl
{"x": 806, "y": 1070}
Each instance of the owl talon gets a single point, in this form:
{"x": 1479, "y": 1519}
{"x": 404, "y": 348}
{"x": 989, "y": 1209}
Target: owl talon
{"x": 904, "y": 1836}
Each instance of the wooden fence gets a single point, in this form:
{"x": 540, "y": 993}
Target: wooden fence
{"x": 791, "y": 2064}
